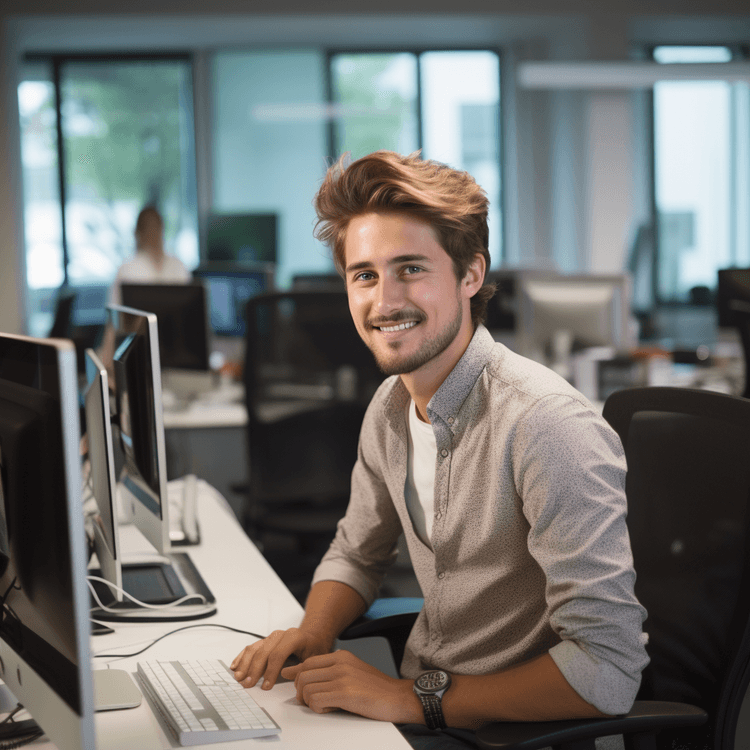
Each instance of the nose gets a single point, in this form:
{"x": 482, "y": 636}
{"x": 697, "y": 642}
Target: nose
{"x": 389, "y": 296}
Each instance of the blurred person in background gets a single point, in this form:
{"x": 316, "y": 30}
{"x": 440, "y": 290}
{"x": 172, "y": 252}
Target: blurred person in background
{"x": 150, "y": 264}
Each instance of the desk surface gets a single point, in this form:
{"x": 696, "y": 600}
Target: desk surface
{"x": 250, "y": 596}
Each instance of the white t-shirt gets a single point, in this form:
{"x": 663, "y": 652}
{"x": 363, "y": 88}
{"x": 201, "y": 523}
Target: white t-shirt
{"x": 420, "y": 475}
{"x": 141, "y": 269}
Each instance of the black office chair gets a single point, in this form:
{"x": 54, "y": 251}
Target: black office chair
{"x": 688, "y": 489}
{"x": 308, "y": 380}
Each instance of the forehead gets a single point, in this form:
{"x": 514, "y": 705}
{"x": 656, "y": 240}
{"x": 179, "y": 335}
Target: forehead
{"x": 376, "y": 237}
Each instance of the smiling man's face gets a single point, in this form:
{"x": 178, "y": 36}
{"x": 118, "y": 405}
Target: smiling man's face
{"x": 404, "y": 297}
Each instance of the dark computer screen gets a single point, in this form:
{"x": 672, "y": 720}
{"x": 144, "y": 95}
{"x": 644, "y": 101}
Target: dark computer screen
{"x": 733, "y": 286}
{"x": 242, "y": 238}
{"x": 41, "y": 585}
{"x": 182, "y": 319}
{"x": 229, "y": 288}
{"x": 136, "y": 416}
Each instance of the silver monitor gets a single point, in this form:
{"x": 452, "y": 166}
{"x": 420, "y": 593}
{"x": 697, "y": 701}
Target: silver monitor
{"x": 45, "y": 660}
{"x": 102, "y": 479}
{"x": 140, "y": 420}
{"x": 563, "y": 314}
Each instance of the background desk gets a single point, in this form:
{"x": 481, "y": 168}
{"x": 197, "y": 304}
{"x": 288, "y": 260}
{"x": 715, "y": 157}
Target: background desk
{"x": 250, "y": 596}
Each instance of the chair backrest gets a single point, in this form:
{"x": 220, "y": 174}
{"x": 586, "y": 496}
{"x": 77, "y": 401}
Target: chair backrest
{"x": 303, "y": 346}
{"x": 688, "y": 491}
{"x": 306, "y": 338}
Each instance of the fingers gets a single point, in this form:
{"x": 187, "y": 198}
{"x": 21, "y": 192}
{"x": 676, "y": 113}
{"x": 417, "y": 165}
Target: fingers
{"x": 263, "y": 659}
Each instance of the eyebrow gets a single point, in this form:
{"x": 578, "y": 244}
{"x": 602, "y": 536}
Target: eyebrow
{"x": 397, "y": 260}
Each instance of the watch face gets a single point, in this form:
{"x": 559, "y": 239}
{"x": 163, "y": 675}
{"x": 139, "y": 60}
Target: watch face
{"x": 432, "y": 682}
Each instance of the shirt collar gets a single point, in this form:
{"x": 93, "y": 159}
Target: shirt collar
{"x": 456, "y": 387}
{"x": 453, "y": 391}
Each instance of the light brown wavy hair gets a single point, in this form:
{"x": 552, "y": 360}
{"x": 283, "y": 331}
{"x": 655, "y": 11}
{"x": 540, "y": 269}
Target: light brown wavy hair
{"x": 447, "y": 199}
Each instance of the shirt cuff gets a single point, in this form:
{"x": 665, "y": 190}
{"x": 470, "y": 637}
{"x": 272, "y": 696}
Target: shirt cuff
{"x": 337, "y": 570}
{"x": 597, "y": 681}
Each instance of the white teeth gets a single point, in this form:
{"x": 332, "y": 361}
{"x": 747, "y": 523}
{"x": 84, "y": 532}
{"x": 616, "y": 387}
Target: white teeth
{"x": 401, "y": 327}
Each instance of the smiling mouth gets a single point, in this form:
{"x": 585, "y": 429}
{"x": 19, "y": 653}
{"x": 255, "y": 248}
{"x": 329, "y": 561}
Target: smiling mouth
{"x": 398, "y": 327}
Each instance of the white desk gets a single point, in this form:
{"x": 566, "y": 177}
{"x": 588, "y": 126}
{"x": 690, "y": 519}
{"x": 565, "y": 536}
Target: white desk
{"x": 250, "y": 596}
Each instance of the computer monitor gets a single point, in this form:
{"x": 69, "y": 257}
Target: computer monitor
{"x": 182, "y": 318}
{"x": 230, "y": 286}
{"x": 45, "y": 659}
{"x": 242, "y": 237}
{"x": 732, "y": 295}
{"x": 572, "y": 313}
{"x": 140, "y": 422}
{"x": 102, "y": 478}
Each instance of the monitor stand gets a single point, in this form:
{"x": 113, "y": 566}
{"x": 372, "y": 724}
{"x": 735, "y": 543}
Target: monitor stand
{"x": 158, "y": 583}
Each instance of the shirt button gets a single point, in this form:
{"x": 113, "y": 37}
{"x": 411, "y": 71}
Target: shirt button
{"x": 441, "y": 576}
{"x": 444, "y": 453}
{"x": 434, "y": 636}
{"x": 451, "y": 420}
{"x": 438, "y": 515}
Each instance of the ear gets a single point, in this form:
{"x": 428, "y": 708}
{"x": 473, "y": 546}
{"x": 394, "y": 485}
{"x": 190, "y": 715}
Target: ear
{"x": 474, "y": 277}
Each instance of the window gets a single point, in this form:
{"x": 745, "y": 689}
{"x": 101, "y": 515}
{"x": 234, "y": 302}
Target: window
{"x": 702, "y": 175}
{"x": 100, "y": 139}
{"x": 445, "y": 102}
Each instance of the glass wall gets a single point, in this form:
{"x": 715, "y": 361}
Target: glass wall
{"x": 702, "y": 172}
{"x": 446, "y": 103}
{"x": 127, "y": 140}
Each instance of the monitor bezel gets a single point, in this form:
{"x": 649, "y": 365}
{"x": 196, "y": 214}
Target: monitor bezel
{"x": 65, "y": 727}
{"x": 107, "y": 554}
{"x": 154, "y": 526}
{"x": 529, "y": 345}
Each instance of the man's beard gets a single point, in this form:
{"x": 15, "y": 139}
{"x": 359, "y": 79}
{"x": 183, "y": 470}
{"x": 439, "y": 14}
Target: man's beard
{"x": 393, "y": 365}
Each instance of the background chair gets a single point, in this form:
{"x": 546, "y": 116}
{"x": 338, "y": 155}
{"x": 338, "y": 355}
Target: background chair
{"x": 308, "y": 380}
{"x": 688, "y": 490}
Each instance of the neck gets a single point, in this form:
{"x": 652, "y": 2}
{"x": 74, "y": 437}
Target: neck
{"x": 423, "y": 383}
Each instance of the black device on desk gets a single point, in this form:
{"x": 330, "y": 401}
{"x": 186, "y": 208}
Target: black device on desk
{"x": 44, "y": 635}
{"x": 140, "y": 430}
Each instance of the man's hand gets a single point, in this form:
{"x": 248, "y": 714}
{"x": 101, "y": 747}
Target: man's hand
{"x": 266, "y": 658}
{"x": 340, "y": 680}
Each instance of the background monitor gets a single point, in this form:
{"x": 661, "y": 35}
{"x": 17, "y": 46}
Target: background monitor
{"x": 182, "y": 318}
{"x": 584, "y": 311}
{"x": 102, "y": 478}
{"x": 140, "y": 421}
{"x": 242, "y": 238}
{"x": 230, "y": 286}
{"x": 733, "y": 287}
{"x": 45, "y": 631}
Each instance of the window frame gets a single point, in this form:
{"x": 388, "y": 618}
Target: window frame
{"x": 332, "y": 52}
{"x": 739, "y": 52}
{"x": 56, "y": 61}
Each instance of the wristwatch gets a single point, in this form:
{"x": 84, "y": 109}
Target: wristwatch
{"x": 430, "y": 687}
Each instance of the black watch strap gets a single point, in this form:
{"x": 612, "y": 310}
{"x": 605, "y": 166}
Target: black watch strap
{"x": 433, "y": 711}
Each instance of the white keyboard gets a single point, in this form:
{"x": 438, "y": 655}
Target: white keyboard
{"x": 201, "y": 702}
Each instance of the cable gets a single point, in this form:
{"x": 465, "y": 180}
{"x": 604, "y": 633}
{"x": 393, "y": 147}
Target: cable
{"x": 145, "y": 605}
{"x": 177, "y": 630}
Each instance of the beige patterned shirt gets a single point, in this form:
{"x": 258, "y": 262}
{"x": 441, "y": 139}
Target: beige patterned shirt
{"x": 530, "y": 548}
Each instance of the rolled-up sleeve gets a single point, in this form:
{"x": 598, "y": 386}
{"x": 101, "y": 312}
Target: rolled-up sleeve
{"x": 573, "y": 488}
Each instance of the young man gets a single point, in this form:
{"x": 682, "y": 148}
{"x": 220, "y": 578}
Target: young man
{"x": 508, "y": 485}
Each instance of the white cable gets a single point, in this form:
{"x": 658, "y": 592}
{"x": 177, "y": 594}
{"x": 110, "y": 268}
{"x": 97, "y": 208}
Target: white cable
{"x": 113, "y": 611}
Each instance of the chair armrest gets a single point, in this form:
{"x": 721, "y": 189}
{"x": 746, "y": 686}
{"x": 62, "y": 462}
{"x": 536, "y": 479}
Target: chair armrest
{"x": 392, "y": 618}
{"x": 646, "y": 717}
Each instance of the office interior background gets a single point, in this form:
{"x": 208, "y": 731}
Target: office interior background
{"x": 238, "y": 108}
{"x": 240, "y": 111}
